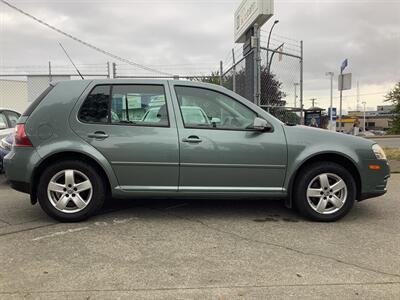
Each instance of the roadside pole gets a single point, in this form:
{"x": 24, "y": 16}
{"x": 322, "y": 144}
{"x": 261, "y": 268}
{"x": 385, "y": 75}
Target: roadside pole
{"x": 341, "y": 101}
{"x": 221, "y": 70}
{"x": 331, "y": 74}
{"x": 234, "y": 71}
{"x": 301, "y": 83}
{"x": 344, "y": 65}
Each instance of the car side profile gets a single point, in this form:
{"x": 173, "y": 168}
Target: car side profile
{"x": 84, "y": 141}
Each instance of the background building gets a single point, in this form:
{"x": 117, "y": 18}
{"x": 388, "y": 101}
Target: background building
{"x": 379, "y": 119}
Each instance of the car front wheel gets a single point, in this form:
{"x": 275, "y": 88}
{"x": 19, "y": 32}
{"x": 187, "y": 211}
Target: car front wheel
{"x": 71, "y": 191}
{"x": 324, "y": 192}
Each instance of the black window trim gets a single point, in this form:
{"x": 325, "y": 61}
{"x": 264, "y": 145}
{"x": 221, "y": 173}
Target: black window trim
{"x": 109, "y": 122}
{"x": 215, "y": 128}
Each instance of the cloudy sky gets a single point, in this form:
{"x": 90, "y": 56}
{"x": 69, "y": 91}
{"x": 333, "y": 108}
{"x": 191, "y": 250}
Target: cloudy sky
{"x": 192, "y": 36}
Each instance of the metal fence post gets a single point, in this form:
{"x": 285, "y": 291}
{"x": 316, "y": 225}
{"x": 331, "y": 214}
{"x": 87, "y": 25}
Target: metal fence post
{"x": 233, "y": 71}
{"x": 258, "y": 57}
{"x": 114, "y": 70}
{"x": 301, "y": 84}
{"x": 257, "y": 60}
{"x": 221, "y": 70}
{"x": 50, "y": 76}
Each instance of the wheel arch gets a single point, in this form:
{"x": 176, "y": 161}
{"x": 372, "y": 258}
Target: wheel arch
{"x": 340, "y": 159}
{"x": 66, "y": 155}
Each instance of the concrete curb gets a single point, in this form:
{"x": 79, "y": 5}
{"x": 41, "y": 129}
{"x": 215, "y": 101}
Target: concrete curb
{"x": 382, "y": 137}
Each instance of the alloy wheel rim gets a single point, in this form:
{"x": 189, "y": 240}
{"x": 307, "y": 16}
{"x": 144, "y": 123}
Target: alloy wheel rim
{"x": 70, "y": 191}
{"x": 327, "y": 193}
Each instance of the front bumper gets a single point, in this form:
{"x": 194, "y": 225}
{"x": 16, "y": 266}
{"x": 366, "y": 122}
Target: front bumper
{"x": 374, "y": 182}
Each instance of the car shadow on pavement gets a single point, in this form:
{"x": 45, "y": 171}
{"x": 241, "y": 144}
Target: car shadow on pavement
{"x": 257, "y": 210}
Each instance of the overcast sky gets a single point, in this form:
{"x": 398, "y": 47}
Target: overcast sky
{"x": 186, "y": 36}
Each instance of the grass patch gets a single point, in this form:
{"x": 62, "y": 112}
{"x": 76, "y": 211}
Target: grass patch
{"x": 392, "y": 153}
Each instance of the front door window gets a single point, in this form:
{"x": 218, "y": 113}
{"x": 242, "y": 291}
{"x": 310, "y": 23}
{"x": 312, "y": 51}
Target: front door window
{"x": 203, "y": 108}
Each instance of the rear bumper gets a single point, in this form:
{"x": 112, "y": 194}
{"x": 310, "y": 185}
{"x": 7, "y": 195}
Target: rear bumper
{"x": 18, "y": 166}
{"x": 20, "y": 186}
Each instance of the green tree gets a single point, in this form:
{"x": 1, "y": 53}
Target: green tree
{"x": 394, "y": 97}
{"x": 213, "y": 78}
{"x": 271, "y": 91}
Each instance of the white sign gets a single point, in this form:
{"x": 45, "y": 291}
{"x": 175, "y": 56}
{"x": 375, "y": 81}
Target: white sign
{"x": 345, "y": 82}
{"x": 249, "y": 13}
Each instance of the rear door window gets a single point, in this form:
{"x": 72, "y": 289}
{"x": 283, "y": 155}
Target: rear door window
{"x": 142, "y": 105}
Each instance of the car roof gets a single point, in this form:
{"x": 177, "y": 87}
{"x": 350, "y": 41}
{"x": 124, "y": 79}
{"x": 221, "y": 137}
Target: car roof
{"x": 143, "y": 81}
{"x": 8, "y": 109}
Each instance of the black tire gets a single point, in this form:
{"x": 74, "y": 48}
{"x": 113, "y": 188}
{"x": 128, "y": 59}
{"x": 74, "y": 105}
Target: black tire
{"x": 98, "y": 190}
{"x": 306, "y": 176}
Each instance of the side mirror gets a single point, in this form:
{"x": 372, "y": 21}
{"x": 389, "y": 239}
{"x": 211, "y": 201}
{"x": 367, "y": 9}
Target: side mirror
{"x": 261, "y": 125}
{"x": 216, "y": 120}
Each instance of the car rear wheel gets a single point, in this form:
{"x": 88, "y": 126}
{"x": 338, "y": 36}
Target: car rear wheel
{"x": 71, "y": 191}
{"x": 325, "y": 192}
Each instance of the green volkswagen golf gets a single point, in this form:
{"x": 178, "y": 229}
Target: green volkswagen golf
{"x": 82, "y": 142}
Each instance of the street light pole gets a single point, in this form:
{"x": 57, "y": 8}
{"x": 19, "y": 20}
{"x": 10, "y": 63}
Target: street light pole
{"x": 331, "y": 74}
{"x": 364, "y": 103}
{"x": 269, "y": 38}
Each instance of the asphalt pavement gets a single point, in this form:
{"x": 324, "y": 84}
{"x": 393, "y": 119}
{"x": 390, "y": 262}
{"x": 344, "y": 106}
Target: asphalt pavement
{"x": 187, "y": 249}
{"x": 388, "y": 142}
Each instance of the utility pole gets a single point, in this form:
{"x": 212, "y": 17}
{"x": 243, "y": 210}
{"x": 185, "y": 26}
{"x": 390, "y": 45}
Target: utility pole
{"x": 358, "y": 96}
{"x": 221, "y": 70}
{"x": 364, "y": 103}
{"x": 331, "y": 74}
{"x": 301, "y": 81}
{"x": 313, "y": 100}
{"x": 344, "y": 65}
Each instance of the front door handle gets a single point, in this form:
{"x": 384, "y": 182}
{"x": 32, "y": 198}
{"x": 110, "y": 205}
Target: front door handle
{"x": 99, "y": 135}
{"x": 193, "y": 139}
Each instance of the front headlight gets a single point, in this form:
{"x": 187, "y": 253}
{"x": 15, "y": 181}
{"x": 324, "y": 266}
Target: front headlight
{"x": 379, "y": 153}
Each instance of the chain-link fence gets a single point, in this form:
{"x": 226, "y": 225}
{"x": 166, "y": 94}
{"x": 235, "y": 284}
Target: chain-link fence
{"x": 20, "y": 85}
{"x": 269, "y": 76}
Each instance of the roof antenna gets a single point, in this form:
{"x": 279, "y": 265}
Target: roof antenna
{"x": 71, "y": 60}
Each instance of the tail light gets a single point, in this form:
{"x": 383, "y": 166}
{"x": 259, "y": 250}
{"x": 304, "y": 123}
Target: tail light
{"x": 21, "y": 139}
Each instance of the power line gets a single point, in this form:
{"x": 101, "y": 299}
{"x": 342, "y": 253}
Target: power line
{"x": 83, "y": 42}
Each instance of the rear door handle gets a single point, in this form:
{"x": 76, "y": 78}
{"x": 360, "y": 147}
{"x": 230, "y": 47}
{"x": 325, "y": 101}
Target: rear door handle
{"x": 99, "y": 135}
{"x": 193, "y": 139}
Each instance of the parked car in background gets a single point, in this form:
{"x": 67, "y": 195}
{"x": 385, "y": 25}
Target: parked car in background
{"x": 5, "y": 147}
{"x": 83, "y": 141}
{"x": 191, "y": 114}
{"x": 8, "y": 120}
